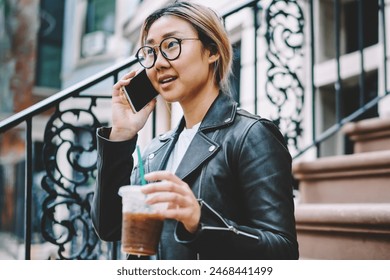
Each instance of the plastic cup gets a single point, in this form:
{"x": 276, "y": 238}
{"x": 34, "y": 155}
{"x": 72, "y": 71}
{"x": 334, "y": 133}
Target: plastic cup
{"x": 141, "y": 224}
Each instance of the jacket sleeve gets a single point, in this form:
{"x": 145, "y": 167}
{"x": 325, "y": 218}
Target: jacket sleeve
{"x": 265, "y": 179}
{"x": 114, "y": 166}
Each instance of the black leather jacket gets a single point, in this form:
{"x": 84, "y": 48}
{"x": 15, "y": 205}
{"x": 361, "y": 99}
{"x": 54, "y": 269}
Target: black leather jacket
{"x": 239, "y": 169}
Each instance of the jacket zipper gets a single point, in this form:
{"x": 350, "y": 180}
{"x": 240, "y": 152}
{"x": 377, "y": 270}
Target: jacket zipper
{"x": 228, "y": 227}
{"x": 201, "y": 201}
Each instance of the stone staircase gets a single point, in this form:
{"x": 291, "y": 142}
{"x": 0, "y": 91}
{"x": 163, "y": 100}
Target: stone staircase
{"x": 343, "y": 210}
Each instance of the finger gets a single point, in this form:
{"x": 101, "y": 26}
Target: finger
{"x": 119, "y": 96}
{"x": 129, "y": 75}
{"x": 161, "y": 186}
{"x": 125, "y": 80}
{"x": 163, "y": 175}
{"x": 121, "y": 83}
{"x": 173, "y": 199}
{"x": 174, "y": 214}
{"x": 167, "y": 186}
{"x": 123, "y": 97}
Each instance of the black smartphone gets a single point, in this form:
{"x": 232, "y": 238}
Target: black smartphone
{"x": 140, "y": 91}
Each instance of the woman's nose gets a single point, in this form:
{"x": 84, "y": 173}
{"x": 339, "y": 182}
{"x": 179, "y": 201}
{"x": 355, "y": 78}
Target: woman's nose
{"x": 161, "y": 61}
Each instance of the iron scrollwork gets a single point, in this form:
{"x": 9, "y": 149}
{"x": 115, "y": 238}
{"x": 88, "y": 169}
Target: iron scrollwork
{"x": 70, "y": 162}
{"x": 285, "y": 38}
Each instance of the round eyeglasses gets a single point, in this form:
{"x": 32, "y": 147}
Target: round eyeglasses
{"x": 170, "y": 48}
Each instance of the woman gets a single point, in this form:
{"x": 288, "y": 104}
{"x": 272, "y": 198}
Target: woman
{"x": 225, "y": 173}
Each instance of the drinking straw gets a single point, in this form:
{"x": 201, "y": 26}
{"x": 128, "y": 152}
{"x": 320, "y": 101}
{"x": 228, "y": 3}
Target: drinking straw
{"x": 141, "y": 167}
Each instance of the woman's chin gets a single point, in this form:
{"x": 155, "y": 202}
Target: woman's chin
{"x": 168, "y": 97}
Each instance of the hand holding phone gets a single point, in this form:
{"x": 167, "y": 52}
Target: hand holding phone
{"x": 140, "y": 91}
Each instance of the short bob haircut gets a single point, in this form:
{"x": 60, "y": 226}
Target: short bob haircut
{"x": 210, "y": 30}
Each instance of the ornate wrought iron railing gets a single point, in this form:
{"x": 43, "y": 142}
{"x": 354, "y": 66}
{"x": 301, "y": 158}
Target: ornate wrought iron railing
{"x": 69, "y": 155}
{"x": 69, "y": 150}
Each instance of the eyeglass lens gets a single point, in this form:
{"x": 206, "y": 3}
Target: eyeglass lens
{"x": 170, "y": 48}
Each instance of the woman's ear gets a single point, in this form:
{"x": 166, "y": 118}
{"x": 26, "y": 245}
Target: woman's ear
{"x": 213, "y": 53}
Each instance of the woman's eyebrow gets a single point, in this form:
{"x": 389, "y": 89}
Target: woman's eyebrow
{"x": 166, "y": 35}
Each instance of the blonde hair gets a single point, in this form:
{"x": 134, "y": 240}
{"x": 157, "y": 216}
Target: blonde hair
{"x": 210, "y": 30}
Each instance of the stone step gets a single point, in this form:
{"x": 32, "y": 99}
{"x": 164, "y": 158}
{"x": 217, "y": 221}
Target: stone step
{"x": 357, "y": 178}
{"x": 343, "y": 231}
{"x": 369, "y": 135}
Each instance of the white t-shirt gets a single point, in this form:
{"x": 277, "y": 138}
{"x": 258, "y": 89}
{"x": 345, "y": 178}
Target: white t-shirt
{"x": 181, "y": 147}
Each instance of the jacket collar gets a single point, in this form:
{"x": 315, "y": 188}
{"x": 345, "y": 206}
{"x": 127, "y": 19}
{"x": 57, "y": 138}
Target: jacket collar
{"x": 202, "y": 147}
{"x": 220, "y": 113}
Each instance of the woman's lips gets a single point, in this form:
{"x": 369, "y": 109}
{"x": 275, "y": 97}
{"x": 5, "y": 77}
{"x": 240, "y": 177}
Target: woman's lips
{"x": 166, "y": 81}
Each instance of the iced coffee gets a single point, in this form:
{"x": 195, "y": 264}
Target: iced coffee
{"x": 141, "y": 223}
{"x": 141, "y": 233}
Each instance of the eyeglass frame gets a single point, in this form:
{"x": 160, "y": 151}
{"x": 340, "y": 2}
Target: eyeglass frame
{"x": 180, "y": 40}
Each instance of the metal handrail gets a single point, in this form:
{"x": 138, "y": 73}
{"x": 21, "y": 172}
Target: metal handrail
{"x": 338, "y": 126}
{"x": 62, "y": 95}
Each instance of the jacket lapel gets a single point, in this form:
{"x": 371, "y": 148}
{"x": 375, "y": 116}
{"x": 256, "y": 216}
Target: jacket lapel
{"x": 200, "y": 149}
{"x": 203, "y": 146}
